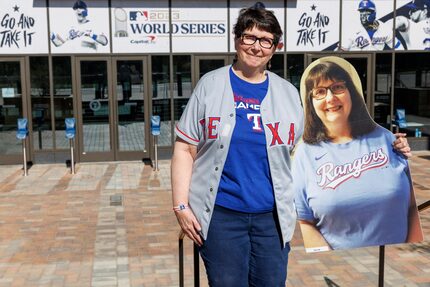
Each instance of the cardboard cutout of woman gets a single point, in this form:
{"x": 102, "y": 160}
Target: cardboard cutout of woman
{"x": 352, "y": 188}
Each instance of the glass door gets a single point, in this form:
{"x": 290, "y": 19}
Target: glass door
{"x": 12, "y": 107}
{"x": 208, "y": 63}
{"x": 94, "y": 109}
{"x": 130, "y": 109}
{"x": 363, "y": 64}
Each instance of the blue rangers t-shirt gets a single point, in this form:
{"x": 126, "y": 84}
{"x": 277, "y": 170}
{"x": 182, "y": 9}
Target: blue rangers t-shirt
{"x": 245, "y": 183}
{"x": 357, "y": 193}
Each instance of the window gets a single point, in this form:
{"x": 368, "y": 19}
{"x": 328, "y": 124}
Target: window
{"x": 161, "y": 98}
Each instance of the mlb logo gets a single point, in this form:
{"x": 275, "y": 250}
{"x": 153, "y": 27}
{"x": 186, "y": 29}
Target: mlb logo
{"x": 141, "y": 14}
{"x": 145, "y": 15}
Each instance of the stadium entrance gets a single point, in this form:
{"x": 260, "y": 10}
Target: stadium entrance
{"x": 113, "y": 107}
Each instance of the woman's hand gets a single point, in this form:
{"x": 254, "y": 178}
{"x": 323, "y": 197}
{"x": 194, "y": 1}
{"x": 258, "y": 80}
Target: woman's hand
{"x": 189, "y": 225}
{"x": 401, "y": 145}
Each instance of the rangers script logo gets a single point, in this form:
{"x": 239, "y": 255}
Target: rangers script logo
{"x": 332, "y": 176}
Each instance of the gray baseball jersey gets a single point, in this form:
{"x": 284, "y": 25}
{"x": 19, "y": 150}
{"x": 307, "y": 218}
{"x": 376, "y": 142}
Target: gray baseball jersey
{"x": 418, "y": 35}
{"x": 208, "y": 122}
{"x": 361, "y": 41}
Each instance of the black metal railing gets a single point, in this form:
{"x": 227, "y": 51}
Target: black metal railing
{"x": 181, "y": 261}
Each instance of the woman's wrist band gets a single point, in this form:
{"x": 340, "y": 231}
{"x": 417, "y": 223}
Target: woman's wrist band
{"x": 180, "y": 207}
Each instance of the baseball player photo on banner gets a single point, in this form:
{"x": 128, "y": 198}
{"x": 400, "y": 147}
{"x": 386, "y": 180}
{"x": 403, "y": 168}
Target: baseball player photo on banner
{"x": 367, "y": 25}
{"x": 79, "y": 26}
{"x": 199, "y": 26}
{"x": 140, "y": 27}
{"x": 352, "y": 189}
{"x": 312, "y": 25}
{"x": 23, "y": 27}
{"x": 277, "y": 6}
{"x": 413, "y": 24}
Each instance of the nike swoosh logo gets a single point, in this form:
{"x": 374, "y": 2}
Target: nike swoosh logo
{"x": 320, "y": 157}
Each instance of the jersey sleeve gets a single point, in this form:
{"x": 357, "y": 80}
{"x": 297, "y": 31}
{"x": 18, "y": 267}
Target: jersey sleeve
{"x": 388, "y": 31}
{"x": 304, "y": 212}
{"x": 190, "y": 126}
{"x": 346, "y": 44}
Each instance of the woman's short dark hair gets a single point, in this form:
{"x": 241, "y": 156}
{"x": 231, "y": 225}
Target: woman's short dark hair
{"x": 257, "y": 16}
{"x": 359, "y": 119}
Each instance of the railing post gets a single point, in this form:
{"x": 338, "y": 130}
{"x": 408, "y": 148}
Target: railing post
{"x": 156, "y": 153}
{"x": 181, "y": 258}
{"x": 24, "y": 155}
{"x": 196, "y": 266}
{"x": 381, "y": 265}
{"x": 181, "y": 261}
{"x": 21, "y": 134}
{"x": 70, "y": 134}
{"x": 72, "y": 157}
{"x": 155, "y": 131}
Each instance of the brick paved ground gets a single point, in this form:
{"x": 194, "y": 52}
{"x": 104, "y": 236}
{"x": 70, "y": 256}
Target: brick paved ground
{"x": 58, "y": 229}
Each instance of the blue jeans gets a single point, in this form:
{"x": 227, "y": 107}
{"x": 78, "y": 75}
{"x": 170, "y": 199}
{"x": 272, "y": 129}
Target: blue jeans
{"x": 244, "y": 249}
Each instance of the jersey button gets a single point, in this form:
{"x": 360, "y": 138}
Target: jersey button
{"x": 231, "y": 115}
{"x": 211, "y": 189}
{"x": 208, "y": 210}
{"x": 216, "y": 168}
{"x": 221, "y": 146}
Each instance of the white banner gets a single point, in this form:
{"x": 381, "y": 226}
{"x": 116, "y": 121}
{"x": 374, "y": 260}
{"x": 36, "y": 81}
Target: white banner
{"x": 23, "y": 27}
{"x": 277, "y": 6}
{"x": 199, "y": 26}
{"x": 413, "y": 25}
{"x": 367, "y": 25}
{"x": 312, "y": 25}
{"x": 140, "y": 27}
{"x": 79, "y": 26}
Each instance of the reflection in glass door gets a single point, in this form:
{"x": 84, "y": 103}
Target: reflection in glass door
{"x": 93, "y": 91}
{"x": 11, "y": 108}
{"x": 130, "y": 108}
{"x": 161, "y": 102}
{"x": 209, "y": 64}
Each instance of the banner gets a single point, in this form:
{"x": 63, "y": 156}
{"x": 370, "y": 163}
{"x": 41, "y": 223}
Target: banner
{"x": 23, "y": 27}
{"x": 312, "y": 25}
{"x": 199, "y": 26}
{"x": 367, "y": 25}
{"x": 140, "y": 27}
{"x": 277, "y": 6}
{"x": 413, "y": 25}
{"x": 79, "y": 26}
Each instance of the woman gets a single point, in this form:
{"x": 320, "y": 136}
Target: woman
{"x": 352, "y": 188}
{"x": 231, "y": 179}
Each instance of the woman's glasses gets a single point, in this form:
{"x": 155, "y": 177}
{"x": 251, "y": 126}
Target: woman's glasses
{"x": 249, "y": 40}
{"x": 336, "y": 88}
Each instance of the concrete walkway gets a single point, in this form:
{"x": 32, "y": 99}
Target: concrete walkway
{"x": 111, "y": 224}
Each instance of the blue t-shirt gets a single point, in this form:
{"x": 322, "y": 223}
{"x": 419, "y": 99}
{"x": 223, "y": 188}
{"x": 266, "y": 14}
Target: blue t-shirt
{"x": 357, "y": 193}
{"x": 245, "y": 183}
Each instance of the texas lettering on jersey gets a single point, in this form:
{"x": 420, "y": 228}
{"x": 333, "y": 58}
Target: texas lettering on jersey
{"x": 211, "y": 130}
{"x": 211, "y": 125}
{"x": 332, "y": 176}
{"x": 255, "y": 118}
